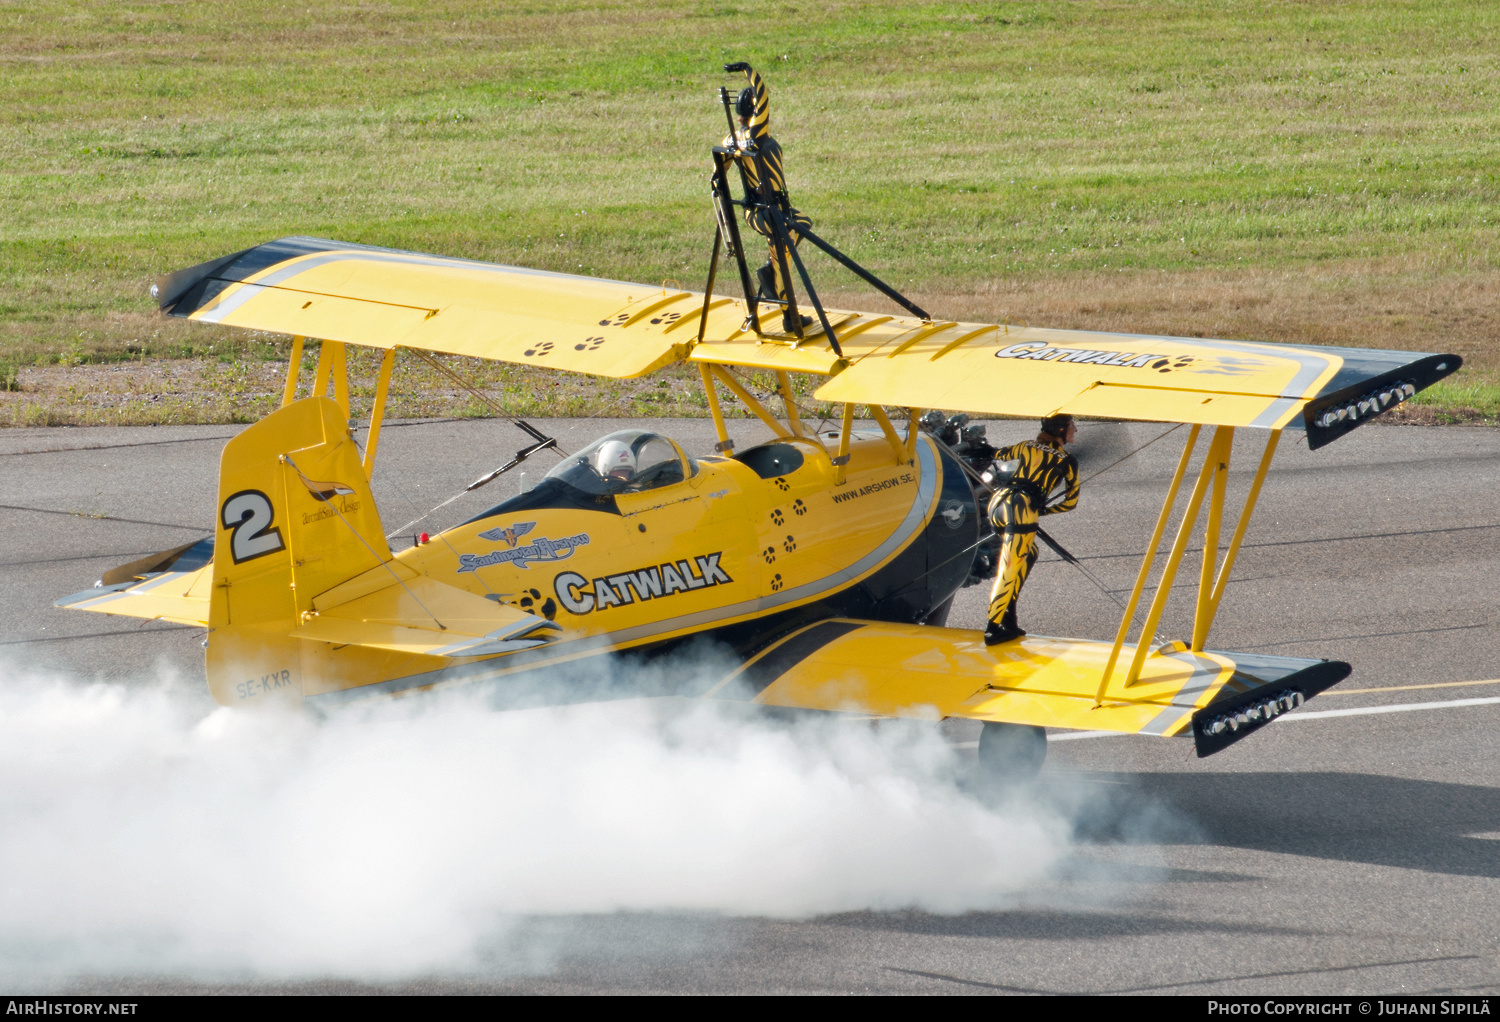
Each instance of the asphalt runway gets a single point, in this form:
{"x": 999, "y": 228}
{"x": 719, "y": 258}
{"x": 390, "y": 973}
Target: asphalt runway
{"x": 1347, "y": 852}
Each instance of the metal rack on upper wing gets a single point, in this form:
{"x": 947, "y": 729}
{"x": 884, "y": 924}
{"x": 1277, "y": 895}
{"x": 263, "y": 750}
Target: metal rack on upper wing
{"x": 773, "y": 207}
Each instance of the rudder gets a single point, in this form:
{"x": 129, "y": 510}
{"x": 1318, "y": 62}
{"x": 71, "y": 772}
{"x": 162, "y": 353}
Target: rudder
{"x": 295, "y": 517}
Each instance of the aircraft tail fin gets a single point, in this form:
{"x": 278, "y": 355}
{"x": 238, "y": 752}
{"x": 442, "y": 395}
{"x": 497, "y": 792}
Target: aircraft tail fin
{"x": 296, "y": 517}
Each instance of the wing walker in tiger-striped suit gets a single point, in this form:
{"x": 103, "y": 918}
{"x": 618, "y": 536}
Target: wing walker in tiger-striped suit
{"x": 753, "y": 108}
{"x": 1026, "y": 475}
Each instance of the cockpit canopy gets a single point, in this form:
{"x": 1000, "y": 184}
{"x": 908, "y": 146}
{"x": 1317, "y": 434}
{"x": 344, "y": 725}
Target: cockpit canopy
{"x": 627, "y": 461}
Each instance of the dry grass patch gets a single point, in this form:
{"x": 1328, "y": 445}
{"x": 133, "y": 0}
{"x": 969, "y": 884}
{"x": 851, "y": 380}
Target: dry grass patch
{"x": 1403, "y": 303}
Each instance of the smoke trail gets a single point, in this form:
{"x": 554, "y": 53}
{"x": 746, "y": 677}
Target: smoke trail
{"x": 139, "y": 834}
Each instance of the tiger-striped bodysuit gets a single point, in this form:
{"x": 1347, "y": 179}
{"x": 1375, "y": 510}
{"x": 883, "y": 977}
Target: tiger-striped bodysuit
{"x": 1014, "y": 510}
{"x": 750, "y": 142}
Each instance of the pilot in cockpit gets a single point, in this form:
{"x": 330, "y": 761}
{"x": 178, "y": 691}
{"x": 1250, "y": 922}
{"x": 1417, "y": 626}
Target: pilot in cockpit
{"x": 615, "y": 463}
{"x": 625, "y": 461}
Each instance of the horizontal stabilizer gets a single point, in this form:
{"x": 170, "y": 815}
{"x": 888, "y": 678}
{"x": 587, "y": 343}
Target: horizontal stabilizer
{"x": 188, "y": 557}
{"x": 172, "y": 585}
{"x": 422, "y": 615}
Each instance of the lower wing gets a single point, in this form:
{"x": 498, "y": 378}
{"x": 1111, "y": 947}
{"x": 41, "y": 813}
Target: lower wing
{"x": 918, "y": 671}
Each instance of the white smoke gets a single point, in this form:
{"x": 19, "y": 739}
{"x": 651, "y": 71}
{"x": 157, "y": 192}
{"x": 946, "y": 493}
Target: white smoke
{"x": 139, "y": 833}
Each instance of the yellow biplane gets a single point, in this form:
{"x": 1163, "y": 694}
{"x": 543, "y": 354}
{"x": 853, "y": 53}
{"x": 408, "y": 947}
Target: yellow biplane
{"x": 824, "y": 562}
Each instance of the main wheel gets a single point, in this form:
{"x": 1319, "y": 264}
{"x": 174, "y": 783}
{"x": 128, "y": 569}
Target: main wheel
{"x": 1011, "y": 754}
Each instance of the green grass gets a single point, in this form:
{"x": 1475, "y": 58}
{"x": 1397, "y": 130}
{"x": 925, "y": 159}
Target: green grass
{"x": 1335, "y": 161}
{"x": 1459, "y": 401}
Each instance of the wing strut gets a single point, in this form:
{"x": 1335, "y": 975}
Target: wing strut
{"x": 868, "y": 277}
{"x": 1140, "y": 579}
{"x": 1211, "y": 484}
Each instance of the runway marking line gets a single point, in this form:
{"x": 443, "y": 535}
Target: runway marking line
{"x": 1409, "y": 688}
{"x": 1358, "y": 711}
{"x": 1393, "y": 708}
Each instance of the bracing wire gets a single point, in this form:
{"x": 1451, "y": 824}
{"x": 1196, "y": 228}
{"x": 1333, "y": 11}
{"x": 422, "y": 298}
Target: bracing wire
{"x": 1132, "y": 454}
{"x": 807, "y": 414}
{"x": 499, "y": 409}
{"x": 423, "y": 517}
{"x": 481, "y": 397}
{"x": 975, "y": 476}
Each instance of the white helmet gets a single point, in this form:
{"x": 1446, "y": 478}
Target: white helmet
{"x": 614, "y": 460}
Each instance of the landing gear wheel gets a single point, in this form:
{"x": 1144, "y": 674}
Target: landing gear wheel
{"x": 1010, "y": 754}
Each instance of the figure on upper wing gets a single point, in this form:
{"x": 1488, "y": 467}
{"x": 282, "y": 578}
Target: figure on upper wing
{"x": 1025, "y": 476}
{"x": 754, "y": 147}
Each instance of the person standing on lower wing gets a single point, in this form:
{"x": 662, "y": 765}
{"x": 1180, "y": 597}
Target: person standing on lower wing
{"x": 1025, "y": 476}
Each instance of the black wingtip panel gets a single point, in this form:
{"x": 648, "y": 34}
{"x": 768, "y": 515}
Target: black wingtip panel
{"x": 186, "y": 291}
{"x": 1365, "y": 387}
{"x": 1227, "y": 719}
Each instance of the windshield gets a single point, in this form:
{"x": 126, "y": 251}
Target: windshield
{"x": 628, "y": 461}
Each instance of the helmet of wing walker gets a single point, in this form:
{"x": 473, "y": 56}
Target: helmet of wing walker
{"x": 1057, "y": 425}
{"x": 615, "y": 463}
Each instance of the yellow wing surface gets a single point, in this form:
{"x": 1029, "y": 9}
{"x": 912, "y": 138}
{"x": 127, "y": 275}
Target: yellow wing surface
{"x": 386, "y": 298}
{"x": 872, "y": 667}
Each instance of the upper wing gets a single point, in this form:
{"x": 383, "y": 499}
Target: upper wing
{"x": 916, "y": 670}
{"x": 1038, "y": 372}
{"x": 384, "y": 297}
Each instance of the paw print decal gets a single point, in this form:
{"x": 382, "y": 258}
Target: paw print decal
{"x": 769, "y": 553}
{"x": 528, "y": 600}
{"x": 589, "y": 344}
{"x": 798, "y": 507}
{"x": 537, "y": 351}
{"x": 668, "y": 318}
{"x": 777, "y": 517}
{"x": 1166, "y": 365}
{"x": 783, "y": 484}
{"x": 776, "y": 583}
{"x": 789, "y": 545}
{"x": 618, "y": 320}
